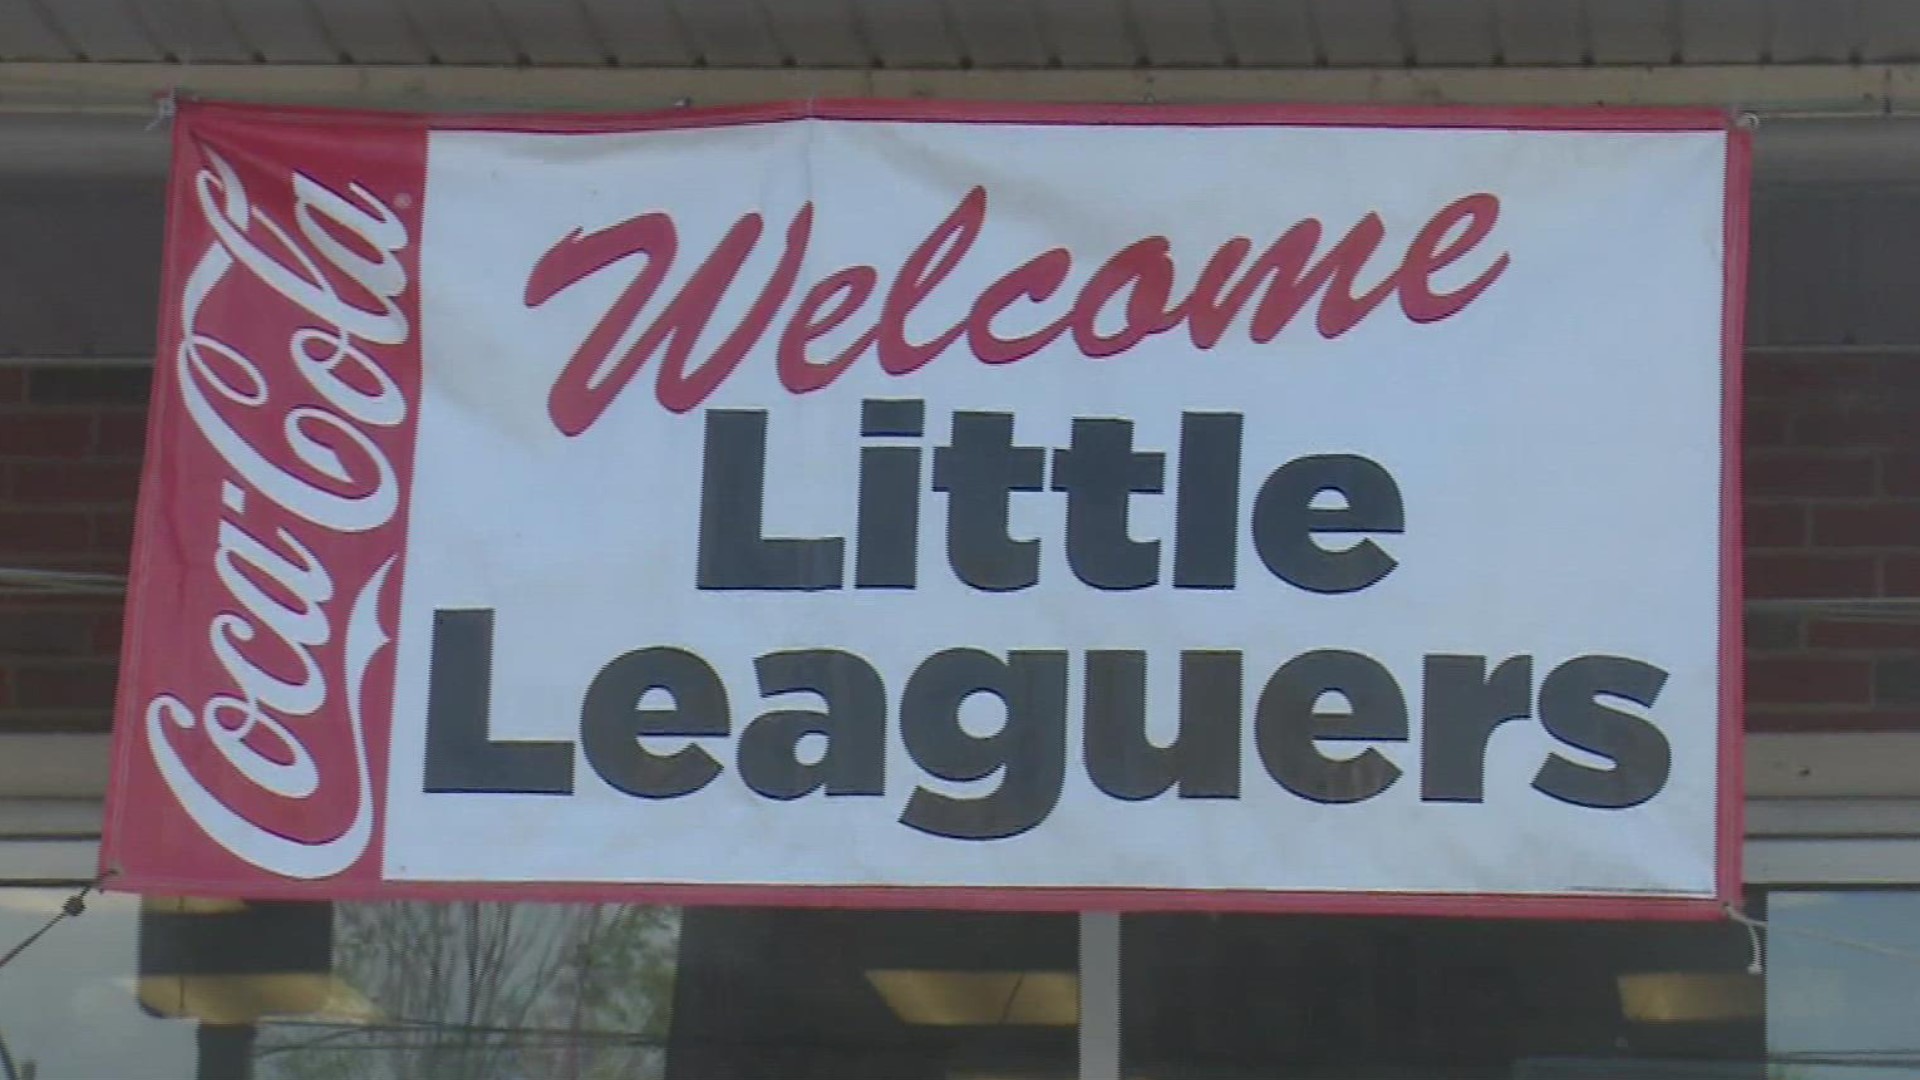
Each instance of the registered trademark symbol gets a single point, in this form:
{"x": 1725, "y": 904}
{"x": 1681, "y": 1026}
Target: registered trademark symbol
{"x": 403, "y": 202}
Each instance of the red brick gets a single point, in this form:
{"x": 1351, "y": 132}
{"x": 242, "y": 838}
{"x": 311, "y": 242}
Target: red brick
{"x": 59, "y": 602}
{"x": 58, "y": 721}
{"x": 1772, "y": 630}
{"x": 106, "y": 634}
{"x": 86, "y": 685}
{"x": 1849, "y": 634}
{"x": 1841, "y": 428}
{"x": 76, "y": 482}
{"x": 27, "y": 532}
{"x": 1807, "y": 721}
{"x": 1897, "y": 381}
{"x": 1764, "y": 427}
{"x": 83, "y": 557}
{"x": 1776, "y": 577}
{"x": 76, "y": 383}
{"x": 1901, "y": 575}
{"x": 1878, "y": 524}
{"x": 120, "y": 433}
{"x": 1900, "y": 474}
{"x": 1796, "y": 377}
{"x": 83, "y": 561}
{"x": 1803, "y": 680}
{"x": 1809, "y": 474}
{"x": 35, "y": 632}
{"x": 45, "y": 435}
{"x": 1896, "y": 680}
{"x": 1774, "y": 525}
{"x": 113, "y": 532}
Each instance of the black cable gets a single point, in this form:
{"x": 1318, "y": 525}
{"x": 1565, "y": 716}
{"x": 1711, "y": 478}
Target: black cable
{"x": 1013, "y": 995}
{"x": 6, "y": 1061}
{"x": 73, "y": 908}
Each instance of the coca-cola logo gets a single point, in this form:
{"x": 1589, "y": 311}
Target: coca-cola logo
{"x": 295, "y": 429}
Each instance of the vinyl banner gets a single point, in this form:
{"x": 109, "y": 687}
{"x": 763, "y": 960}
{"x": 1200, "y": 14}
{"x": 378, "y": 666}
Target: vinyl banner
{"x": 943, "y": 505}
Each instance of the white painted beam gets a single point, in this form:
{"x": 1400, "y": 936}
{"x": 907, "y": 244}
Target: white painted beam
{"x": 1794, "y": 767}
{"x": 1838, "y": 809}
{"x": 1882, "y": 861}
{"x": 49, "y": 766}
{"x": 1768, "y": 861}
{"x": 48, "y": 819}
{"x": 1832, "y": 818}
{"x": 1100, "y": 996}
{"x": 1856, "y": 766}
{"x": 1766, "y": 819}
{"x": 48, "y": 862}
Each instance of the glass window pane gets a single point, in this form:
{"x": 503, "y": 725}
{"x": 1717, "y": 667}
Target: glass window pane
{"x": 896, "y": 995}
{"x": 485, "y": 990}
{"x": 472, "y": 991}
{"x": 67, "y": 1004}
{"x": 1843, "y": 984}
{"x": 1221, "y": 997}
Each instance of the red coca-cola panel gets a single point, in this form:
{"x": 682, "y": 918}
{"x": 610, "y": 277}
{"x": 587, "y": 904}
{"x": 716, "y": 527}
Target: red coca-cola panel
{"x": 257, "y": 679}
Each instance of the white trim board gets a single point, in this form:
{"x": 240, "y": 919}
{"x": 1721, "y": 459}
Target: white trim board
{"x": 1846, "y": 765}
{"x": 48, "y": 862}
{"x": 49, "y": 766}
{"x": 1777, "y": 766}
{"x": 1827, "y": 861}
{"x": 1768, "y": 861}
{"x": 1822, "y": 809}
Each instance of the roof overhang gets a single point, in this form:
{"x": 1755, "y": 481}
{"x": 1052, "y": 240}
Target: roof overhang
{"x": 1815, "y": 123}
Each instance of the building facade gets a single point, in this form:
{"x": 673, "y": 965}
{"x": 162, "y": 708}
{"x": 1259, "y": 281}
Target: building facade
{"x": 1817, "y": 976}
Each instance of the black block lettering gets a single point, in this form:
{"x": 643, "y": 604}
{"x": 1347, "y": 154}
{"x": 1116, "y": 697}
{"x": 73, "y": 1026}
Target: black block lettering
{"x": 460, "y": 754}
{"x": 979, "y": 469}
{"x": 612, "y": 722}
{"x": 1204, "y": 758}
{"x": 733, "y": 553}
{"x": 1100, "y": 472}
{"x": 1029, "y": 748}
{"x": 901, "y": 417}
{"x": 1570, "y": 710}
{"x": 1287, "y": 724}
{"x": 1206, "y": 539}
{"x": 1285, "y": 522}
{"x": 854, "y": 725}
{"x": 1460, "y": 710}
{"x": 887, "y": 556}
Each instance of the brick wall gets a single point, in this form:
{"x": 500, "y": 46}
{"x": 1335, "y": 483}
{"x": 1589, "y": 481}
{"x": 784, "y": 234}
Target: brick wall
{"x": 70, "y": 442}
{"x": 1832, "y": 513}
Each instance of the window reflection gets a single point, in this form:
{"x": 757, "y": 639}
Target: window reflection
{"x": 486, "y": 990}
{"x": 827, "y": 995}
{"x": 67, "y": 1005}
{"x": 218, "y": 989}
{"x": 1843, "y": 993}
{"x": 1335, "y": 998}
{"x": 170, "y": 990}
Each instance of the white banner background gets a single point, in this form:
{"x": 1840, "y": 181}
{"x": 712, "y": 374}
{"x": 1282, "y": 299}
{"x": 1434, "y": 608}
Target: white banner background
{"x": 1557, "y": 445}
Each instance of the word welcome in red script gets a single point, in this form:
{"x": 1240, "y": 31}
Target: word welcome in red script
{"x": 1289, "y": 274}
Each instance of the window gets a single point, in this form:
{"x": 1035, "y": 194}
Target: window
{"x": 1333, "y": 998}
{"x": 376, "y": 991}
{"x": 1843, "y": 986}
{"x": 473, "y": 991}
